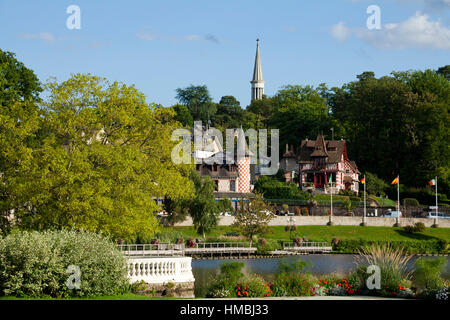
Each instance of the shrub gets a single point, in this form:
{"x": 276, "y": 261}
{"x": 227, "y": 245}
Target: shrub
{"x": 417, "y": 227}
{"x": 266, "y": 246}
{"x": 191, "y": 243}
{"x": 36, "y": 263}
{"x": 297, "y": 211}
{"x": 410, "y": 202}
{"x": 334, "y": 241}
{"x": 293, "y": 284}
{"x": 222, "y": 285}
{"x": 290, "y": 228}
{"x": 428, "y": 273}
{"x": 305, "y": 212}
{"x": 251, "y": 287}
{"x": 411, "y": 246}
{"x": 393, "y": 264}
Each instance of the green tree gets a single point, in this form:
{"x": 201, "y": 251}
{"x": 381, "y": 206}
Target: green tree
{"x": 300, "y": 112}
{"x": 198, "y": 101}
{"x": 252, "y": 218}
{"x": 444, "y": 71}
{"x": 183, "y": 115}
{"x": 17, "y": 82}
{"x": 396, "y": 125}
{"x": 104, "y": 155}
{"x": 202, "y": 207}
{"x": 20, "y": 120}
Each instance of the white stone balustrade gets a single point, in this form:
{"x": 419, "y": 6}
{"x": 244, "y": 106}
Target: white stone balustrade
{"x": 159, "y": 270}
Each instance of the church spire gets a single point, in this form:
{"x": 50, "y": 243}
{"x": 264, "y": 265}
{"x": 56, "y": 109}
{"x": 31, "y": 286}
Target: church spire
{"x": 257, "y": 81}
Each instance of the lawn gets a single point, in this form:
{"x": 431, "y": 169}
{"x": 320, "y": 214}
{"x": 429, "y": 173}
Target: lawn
{"x": 326, "y": 233}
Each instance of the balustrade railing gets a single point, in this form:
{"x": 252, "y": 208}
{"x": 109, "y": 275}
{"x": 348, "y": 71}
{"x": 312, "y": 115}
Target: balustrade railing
{"x": 160, "y": 270}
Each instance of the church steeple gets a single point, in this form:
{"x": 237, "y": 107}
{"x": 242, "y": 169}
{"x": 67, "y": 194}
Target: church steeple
{"x": 257, "y": 81}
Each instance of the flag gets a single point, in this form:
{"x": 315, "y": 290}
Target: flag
{"x": 363, "y": 180}
{"x": 395, "y": 181}
{"x": 432, "y": 182}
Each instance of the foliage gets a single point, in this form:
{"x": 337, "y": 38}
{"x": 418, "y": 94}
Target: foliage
{"x": 410, "y": 202}
{"x": 202, "y": 207}
{"x": 427, "y": 274}
{"x": 416, "y": 228}
{"x": 100, "y": 156}
{"x": 393, "y": 264}
{"x": 293, "y": 285}
{"x": 375, "y": 185}
{"x": 272, "y": 188}
{"x": 251, "y": 287}
{"x": 410, "y": 246}
{"x": 182, "y": 115}
{"x": 35, "y": 264}
{"x": 252, "y": 218}
{"x": 198, "y": 101}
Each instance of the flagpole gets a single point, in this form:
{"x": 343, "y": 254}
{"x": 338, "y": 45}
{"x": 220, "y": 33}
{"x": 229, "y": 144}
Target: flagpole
{"x": 437, "y": 217}
{"x": 398, "y": 201}
{"x": 364, "y": 220}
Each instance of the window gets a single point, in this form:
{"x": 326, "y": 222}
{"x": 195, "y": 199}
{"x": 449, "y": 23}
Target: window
{"x": 232, "y": 185}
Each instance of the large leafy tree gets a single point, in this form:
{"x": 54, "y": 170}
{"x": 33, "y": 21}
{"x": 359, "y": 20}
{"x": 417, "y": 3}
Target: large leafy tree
{"x": 252, "y": 217}
{"x": 104, "y": 157}
{"x": 229, "y": 113}
{"x": 19, "y": 124}
{"x": 397, "y": 124}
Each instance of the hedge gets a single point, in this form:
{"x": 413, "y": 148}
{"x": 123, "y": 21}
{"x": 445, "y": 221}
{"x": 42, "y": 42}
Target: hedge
{"x": 40, "y": 264}
{"x": 438, "y": 246}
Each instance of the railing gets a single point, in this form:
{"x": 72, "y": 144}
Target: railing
{"x": 219, "y": 245}
{"x": 307, "y": 246}
{"x": 160, "y": 270}
{"x": 160, "y": 249}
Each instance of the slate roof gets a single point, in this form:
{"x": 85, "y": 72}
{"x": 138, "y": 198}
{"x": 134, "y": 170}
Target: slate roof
{"x": 333, "y": 150}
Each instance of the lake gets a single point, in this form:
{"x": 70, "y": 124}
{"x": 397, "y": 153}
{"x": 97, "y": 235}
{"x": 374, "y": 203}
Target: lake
{"x": 204, "y": 270}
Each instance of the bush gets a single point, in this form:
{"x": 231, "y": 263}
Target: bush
{"x": 297, "y": 211}
{"x": 251, "y": 287}
{"x": 305, "y": 212}
{"x": 428, "y": 273}
{"x": 290, "y": 228}
{"x": 35, "y": 264}
{"x": 293, "y": 285}
{"x": 410, "y": 202}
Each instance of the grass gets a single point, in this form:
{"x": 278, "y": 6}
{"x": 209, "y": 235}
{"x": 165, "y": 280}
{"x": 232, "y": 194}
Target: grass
{"x": 326, "y": 233}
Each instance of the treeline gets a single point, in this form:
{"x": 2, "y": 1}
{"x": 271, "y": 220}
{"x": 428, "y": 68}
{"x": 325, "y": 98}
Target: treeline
{"x": 396, "y": 124}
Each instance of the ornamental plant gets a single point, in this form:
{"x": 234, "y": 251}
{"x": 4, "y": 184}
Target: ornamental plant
{"x": 36, "y": 264}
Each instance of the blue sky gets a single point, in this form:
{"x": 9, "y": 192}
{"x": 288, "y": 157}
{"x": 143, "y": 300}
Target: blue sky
{"x": 163, "y": 45}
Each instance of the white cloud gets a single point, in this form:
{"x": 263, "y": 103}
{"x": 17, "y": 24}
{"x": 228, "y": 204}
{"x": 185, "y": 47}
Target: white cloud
{"x": 44, "y": 36}
{"x": 340, "y": 32}
{"x": 146, "y": 36}
{"x": 416, "y": 32}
